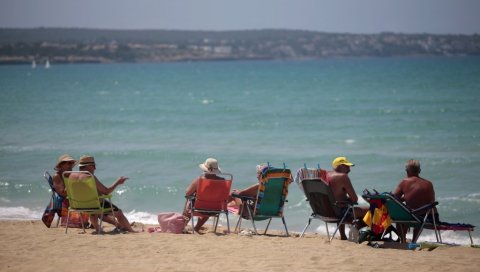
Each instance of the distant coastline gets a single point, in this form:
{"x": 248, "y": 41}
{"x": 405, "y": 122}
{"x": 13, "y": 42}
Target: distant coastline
{"x": 77, "y": 45}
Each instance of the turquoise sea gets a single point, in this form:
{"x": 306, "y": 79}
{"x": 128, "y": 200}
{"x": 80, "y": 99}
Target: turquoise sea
{"x": 156, "y": 122}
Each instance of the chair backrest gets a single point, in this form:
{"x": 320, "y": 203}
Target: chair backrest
{"x": 81, "y": 190}
{"x": 320, "y": 197}
{"x": 213, "y": 194}
{"x": 272, "y": 192}
{"x": 49, "y": 179}
{"x": 398, "y": 211}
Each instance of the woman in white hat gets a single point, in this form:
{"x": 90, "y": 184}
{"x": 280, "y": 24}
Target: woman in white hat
{"x": 211, "y": 170}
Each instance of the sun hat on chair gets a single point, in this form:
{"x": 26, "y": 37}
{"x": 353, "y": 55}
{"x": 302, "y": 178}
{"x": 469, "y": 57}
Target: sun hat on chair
{"x": 210, "y": 165}
{"x": 64, "y": 158}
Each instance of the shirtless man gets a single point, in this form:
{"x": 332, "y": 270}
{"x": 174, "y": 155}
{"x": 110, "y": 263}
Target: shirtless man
{"x": 343, "y": 190}
{"x": 415, "y": 192}
{"x": 87, "y": 163}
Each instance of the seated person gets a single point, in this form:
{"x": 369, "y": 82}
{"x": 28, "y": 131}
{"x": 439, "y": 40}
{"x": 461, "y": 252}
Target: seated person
{"x": 87, "y": 163}
{"x": 66, "y": 163}
{"x": 416, "y": 192}
{"x": 250, "y": 191}
{"x": 210, "y": 171}
{"x": 342, "y": 190}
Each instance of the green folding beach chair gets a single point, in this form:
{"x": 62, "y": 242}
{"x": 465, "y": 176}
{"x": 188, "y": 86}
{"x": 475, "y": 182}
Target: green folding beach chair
{"x": 400, "y": 213}
{"x": 270, "y": 201}
{"x": 83, "y": 196}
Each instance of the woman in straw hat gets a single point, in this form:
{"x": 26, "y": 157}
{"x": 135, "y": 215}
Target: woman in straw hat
{"x": 211, "y": 170}
{"x": 64, "y": 163}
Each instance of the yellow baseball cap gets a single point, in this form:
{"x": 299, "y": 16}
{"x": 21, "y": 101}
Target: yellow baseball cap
{"x": 341, "y": 160}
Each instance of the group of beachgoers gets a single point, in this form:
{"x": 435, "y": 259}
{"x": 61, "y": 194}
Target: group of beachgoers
{"x": 413, "y": 190}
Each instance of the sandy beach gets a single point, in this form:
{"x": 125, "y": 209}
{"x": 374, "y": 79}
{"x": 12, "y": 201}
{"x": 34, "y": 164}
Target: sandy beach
{"x": 30, "y": 246}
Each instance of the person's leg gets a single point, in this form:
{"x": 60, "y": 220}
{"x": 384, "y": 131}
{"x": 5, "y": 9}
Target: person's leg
{"x": 359, "y": 214}
{"x": 341, "y": 229}
{"x": 94, "y": 222}
{"x": 200, "y": 222}
{"x": 123, "y": 221}
{"x": 402, "y": 232}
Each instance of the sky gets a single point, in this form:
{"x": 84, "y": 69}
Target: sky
{"x": 344, "y": 16}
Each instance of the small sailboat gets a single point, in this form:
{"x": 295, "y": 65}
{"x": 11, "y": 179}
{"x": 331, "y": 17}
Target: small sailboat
{"x": 34, "y": 64}
{"x": 47, "y": 64}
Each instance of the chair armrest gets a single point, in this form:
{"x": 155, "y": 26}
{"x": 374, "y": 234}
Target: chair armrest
{"x": 347, "y": 203}
{"x": 425, "y": 207}
{"x": 244, "y": 198}
{"x": 105, "y": 196}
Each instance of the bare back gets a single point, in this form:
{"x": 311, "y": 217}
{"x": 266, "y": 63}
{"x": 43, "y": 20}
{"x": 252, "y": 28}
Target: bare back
{"x": 341, "y": 187}
{"x": 415, "y": 192}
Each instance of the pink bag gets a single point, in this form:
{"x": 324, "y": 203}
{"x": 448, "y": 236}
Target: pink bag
{"x": 172, "y": 222}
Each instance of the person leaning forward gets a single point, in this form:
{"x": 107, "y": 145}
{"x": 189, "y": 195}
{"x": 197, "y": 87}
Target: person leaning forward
{"x": 87, "y": 163}
{"x": 342, "y": 189}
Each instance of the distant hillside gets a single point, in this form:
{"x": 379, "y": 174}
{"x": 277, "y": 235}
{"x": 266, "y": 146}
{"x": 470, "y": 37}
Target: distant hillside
{"x": 103, "y": 46}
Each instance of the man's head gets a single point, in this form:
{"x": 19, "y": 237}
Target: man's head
{"x": 341, "y": 164}
{"x": 87, "y": 163}
{"x": 413, "y": 167}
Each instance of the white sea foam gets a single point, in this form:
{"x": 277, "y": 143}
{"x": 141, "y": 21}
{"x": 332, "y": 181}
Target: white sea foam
{"x": 449, "y": 237}
{"x": 20, "y": 213}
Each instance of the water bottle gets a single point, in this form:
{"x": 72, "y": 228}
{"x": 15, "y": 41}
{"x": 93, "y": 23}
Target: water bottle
{"x": 412, "y": 246}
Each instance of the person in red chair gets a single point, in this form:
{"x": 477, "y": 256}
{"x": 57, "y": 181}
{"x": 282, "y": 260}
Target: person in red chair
{"x": 416, "y": 192}
{"x": 211, "y": 170}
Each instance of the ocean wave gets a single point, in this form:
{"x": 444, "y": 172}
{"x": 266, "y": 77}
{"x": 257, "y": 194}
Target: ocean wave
{"x": 20, "y": 213}
{"x": 473, "y": 198}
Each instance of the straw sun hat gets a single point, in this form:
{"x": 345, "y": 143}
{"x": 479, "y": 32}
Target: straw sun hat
{"x": 210, "y": 165}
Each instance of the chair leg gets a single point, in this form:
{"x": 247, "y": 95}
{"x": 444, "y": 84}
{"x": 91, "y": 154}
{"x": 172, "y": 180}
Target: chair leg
{"x": 268, "y": 225}
{"x": 58, "y": 220}
{"x": 228, "y": 222}
{"x": 215, "y": 221}
{"x": 81, "y": 222}
{"x": 341, "y": 221}
{"x": 253, "y": 220}
{"x": 308, "y": 224}
{"x": 328, "y": 233}
{"x": 285, "y": 225}
{"x": 68, "y": 218}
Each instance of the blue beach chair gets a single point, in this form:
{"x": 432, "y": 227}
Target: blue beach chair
{"x": 54, "y": 206}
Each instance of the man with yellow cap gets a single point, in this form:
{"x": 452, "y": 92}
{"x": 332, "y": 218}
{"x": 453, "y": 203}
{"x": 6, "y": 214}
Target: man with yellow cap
{"x": 342, "y": 188}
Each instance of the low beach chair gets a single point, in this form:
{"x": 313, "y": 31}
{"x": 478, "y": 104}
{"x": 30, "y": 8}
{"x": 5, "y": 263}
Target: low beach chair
{"x": 83, "y": 197}
{"x": 270, "y": 200}
{"x": 400, "y": 213}
{"x": 324, "y": 207}
{"x": 54, "y": 207}
{"x": 211, "y": 198}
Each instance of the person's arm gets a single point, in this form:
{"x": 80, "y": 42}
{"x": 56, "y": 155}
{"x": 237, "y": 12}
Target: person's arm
{"x": 347, "y": 186}
{"x": 192, "y": 188}
{"x": 59, "y": 186}
{"x": 398, "y": 192}
{"x": 250, "y": 191}
{"x": 102, "y": 189}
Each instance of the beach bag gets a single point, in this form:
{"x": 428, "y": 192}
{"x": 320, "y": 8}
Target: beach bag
{"x": 172, "y": 222}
